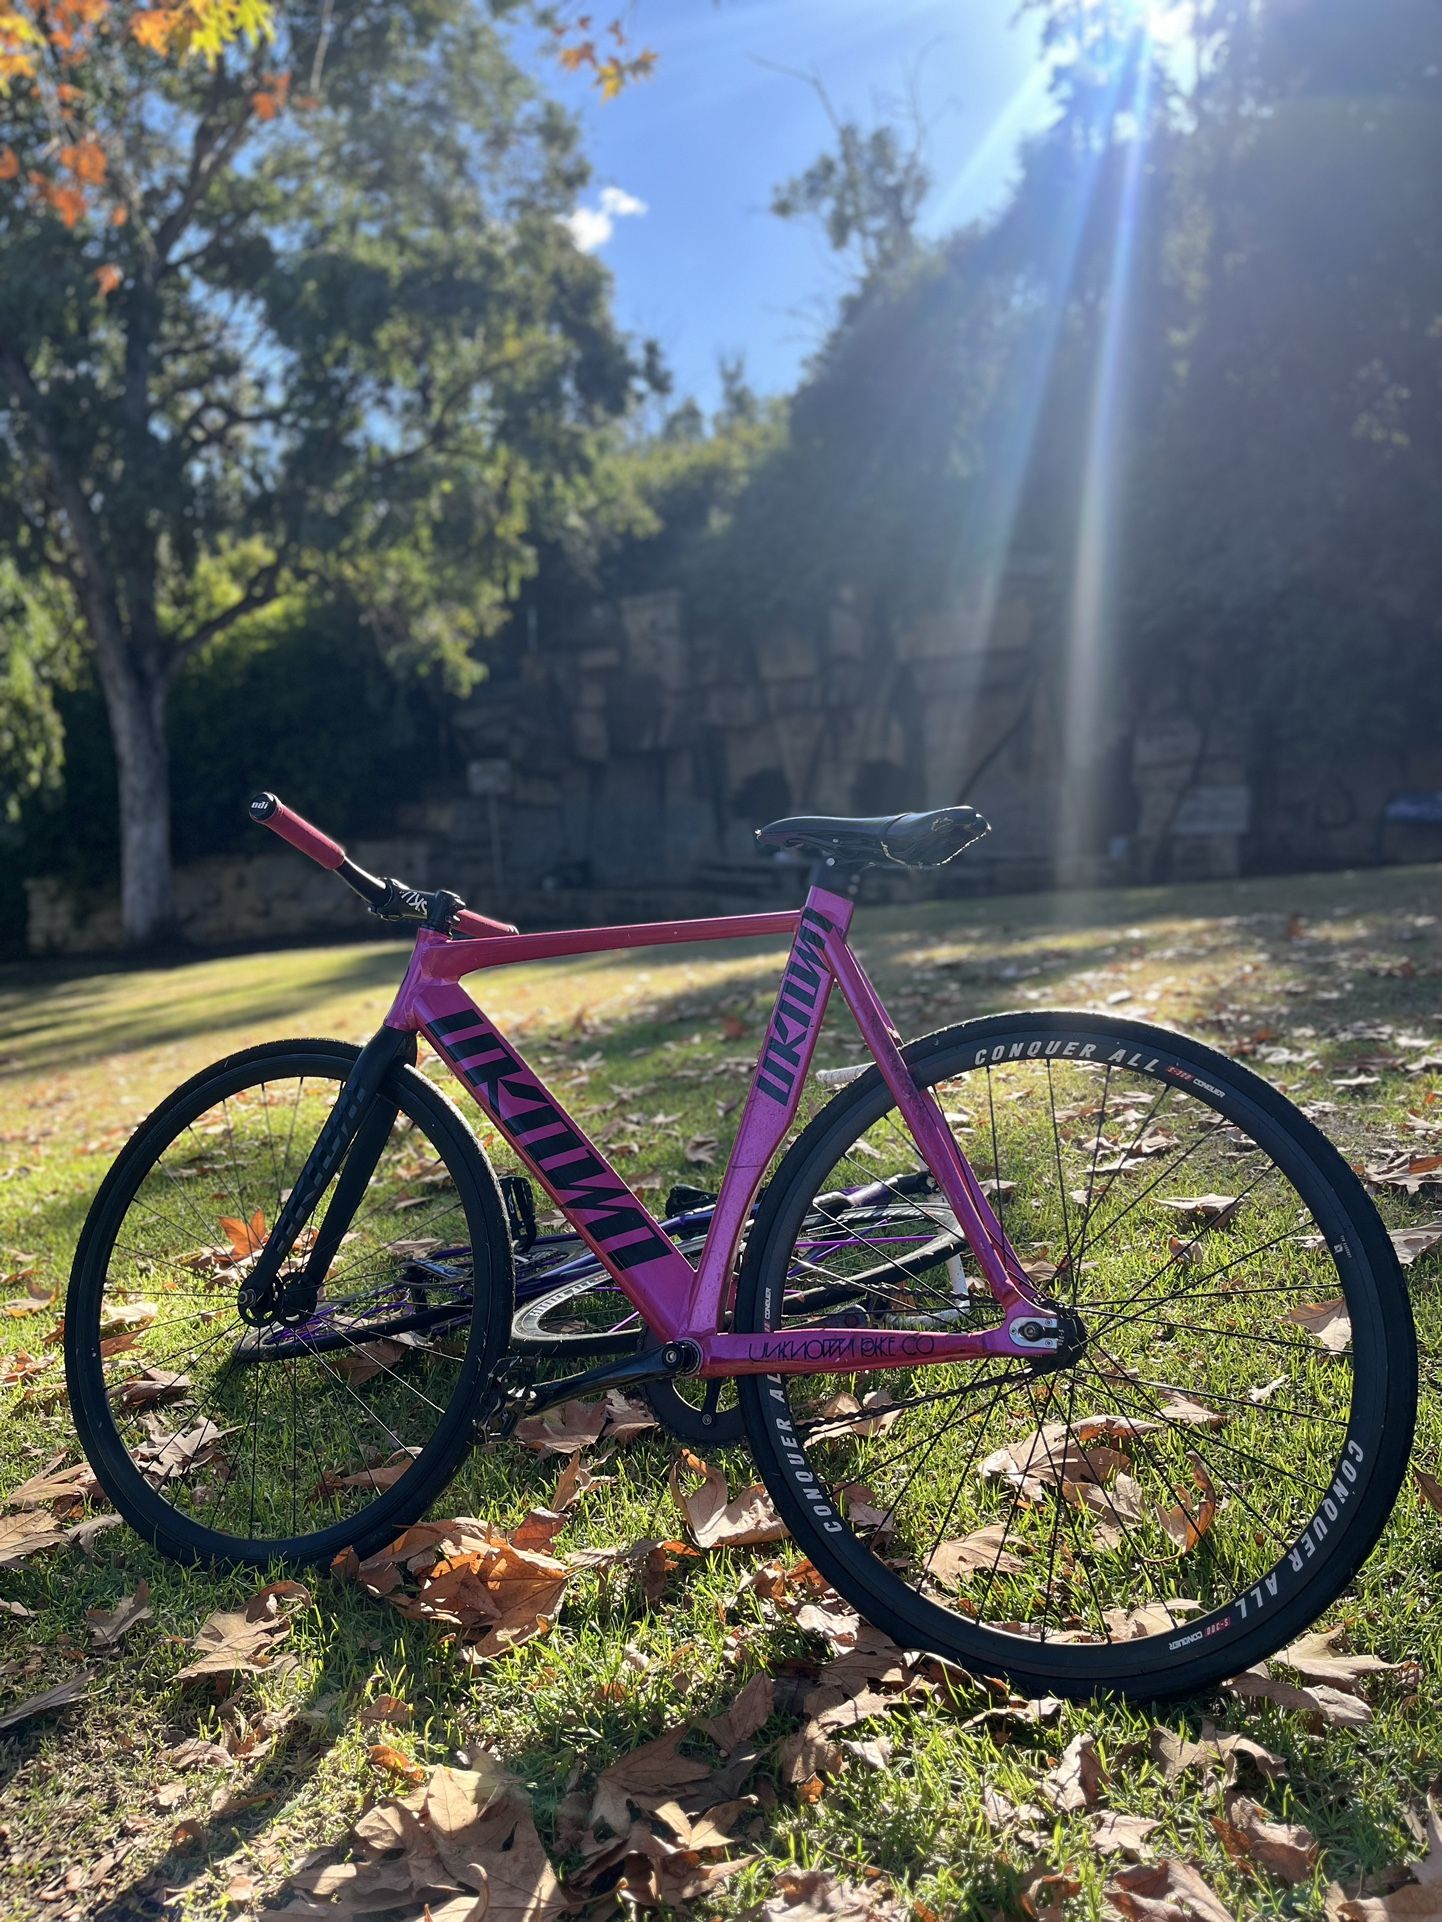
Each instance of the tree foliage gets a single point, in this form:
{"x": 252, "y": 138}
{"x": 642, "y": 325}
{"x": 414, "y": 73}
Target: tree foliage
{"x": 349, "y": 340}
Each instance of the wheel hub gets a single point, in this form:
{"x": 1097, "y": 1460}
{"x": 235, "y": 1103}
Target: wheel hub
{"x": 1062, "y": 1326}
{"x": 286, "y": 1303}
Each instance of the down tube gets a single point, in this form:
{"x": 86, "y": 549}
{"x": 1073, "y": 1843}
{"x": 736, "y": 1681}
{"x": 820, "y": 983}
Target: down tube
{"x": 613, "y": 1222}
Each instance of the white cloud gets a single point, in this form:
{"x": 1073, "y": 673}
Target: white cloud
{"x": 592, "y": 227}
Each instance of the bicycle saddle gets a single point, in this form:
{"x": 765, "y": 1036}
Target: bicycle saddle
{"x": 927, "y": 840}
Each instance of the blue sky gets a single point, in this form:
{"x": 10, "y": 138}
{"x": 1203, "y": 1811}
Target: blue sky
{"x": 705, "y": 268}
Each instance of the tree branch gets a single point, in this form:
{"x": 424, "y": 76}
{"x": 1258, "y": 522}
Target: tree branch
{"x": 262, "y": 588}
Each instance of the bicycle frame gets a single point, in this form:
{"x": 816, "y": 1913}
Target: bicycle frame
{"x": 677, "y": 1302}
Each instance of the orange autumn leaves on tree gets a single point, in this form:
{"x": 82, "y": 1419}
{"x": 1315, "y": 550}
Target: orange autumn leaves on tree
{"x": 612, "y": 67}
{"x": 45, "y": 46}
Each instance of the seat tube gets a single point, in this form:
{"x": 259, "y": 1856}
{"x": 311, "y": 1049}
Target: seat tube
{"x": 922, "y": 1112}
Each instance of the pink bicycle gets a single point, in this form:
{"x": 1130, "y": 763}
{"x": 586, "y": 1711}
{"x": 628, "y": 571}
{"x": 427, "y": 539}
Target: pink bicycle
{"x": 1067, "y": 1348}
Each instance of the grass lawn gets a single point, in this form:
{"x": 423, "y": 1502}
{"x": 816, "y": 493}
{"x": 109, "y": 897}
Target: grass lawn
{"x": 147, "y": 1793}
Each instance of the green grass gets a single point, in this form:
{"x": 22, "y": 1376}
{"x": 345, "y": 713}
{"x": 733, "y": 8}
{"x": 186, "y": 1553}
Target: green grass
{"x": 652, "y": 1053}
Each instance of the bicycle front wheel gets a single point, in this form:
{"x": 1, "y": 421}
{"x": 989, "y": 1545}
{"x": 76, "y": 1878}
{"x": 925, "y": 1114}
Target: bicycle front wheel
{"x": 228, "y": 1437}
{"x": 1208, "y": 1468}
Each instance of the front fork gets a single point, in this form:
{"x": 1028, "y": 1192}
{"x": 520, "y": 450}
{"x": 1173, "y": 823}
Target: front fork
{"x": 360, "y": 1121}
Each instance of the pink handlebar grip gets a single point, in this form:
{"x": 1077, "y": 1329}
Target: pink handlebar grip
{"x": 291, "y": 827}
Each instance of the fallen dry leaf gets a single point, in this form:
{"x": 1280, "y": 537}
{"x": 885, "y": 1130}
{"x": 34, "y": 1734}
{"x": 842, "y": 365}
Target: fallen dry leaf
{"x": 1328, "y": 1321}
{"x": 1248, "y": 1833}
{"x": 1203, "y": 1211}
{"x": 26, "y": 1533}
{"x": 109, "y": 1625}
{"x": 1322, "y": 1707}
{"x": 1315, "y": 1656}
{"x": 1058, "y": 1452}
{"x": 1175, "y": 1753}
{"x": 465, "y": 1575}
{"x": 53, "y": 1698}
{"x": 1164, "y": 1892}
{"x": 243, "y": 1641}
{"x": 1187, "y": 1523}
{"x": 1430, "y": 1487}
{"x": 715, "y": 1518}
{"x": 55, "y": 1484}
{"x": 151, "y": 1385}
{"x": 1412, "y": 1243}
{"x": 820, "y": 1895}
{"x": 1114, "y": 1834}
{"x": 1077, "y": 1780}
{"x": 950, "y": 1562}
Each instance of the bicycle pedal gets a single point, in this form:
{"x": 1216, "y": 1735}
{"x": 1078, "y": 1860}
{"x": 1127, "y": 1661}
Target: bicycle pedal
{"x": 507, "y": 1397}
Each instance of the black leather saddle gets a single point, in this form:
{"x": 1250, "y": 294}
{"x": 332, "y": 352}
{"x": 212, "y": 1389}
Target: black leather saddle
{"x": 926, "y": 840}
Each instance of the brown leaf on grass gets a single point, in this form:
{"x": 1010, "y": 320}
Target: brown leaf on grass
{"x": 1181, "y": 1408}
{"x": 984, "y": 1548}
{"x": 1405, "y": 1171}
{"x": 243, "y": 1641}
{"x": 1199, "y": 1212}
{"x": 1045, "y": 1891}
{"x": 575, "y": 1480}
{"x": 368, "y": 1359}
{"x": 1175, "y": 1753}
{"x": 1315, "y": 1656}
{"x": 394, "y": 1761}
{"x": 1429, "y": 1487}
{"x": 27, "y": 1533}
{"x": 626, "y": 1418}
{"x": 245, "y": 1237}
{"x": 646, "y": 1777}
{"x": 715, "y": 1518}
{"x": 151, "y": 1385}
{"x": 1412, "y": 1243}
{"x": 1189, "y": 1521}
{"x": 1328, "y": 1321}
{"x": 109, "y": 1625}
{"x": 377, "y": 1475}
{"x": 1077, "y": 1779}
{"x": 46, "y": 1703}
{"x": 1321, "y": 1706}
{"x": 485, "y": 1834}
{"x": 55, "y": 1484}
{"x": 466, "y": 1575}
{"x": 1419, "y": 1900}
{"x": 1114, "y": 1834}
{"x": 125, "y": 1317}
{"x": 746, "y": 1713}
{"x": 843, "y": 1414}
{"x": 820, "y": 1895}
{"x": 564, "y": 1428}
{"x": 170, "y": 1457}
{"x": 1249, "y": 1834}
{"x": 1164, "y": 1892}
{"x": 1061, "y": 1452}
{"x": 387, "y": 1711}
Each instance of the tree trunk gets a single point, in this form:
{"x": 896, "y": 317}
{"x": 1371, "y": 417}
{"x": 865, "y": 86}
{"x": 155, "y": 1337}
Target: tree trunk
{"x": 136, "y": 707}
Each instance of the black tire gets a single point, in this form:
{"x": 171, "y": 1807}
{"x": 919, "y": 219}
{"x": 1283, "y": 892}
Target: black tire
{"x": 1241, "y": 1122}
{"x": 435, "y": 1429}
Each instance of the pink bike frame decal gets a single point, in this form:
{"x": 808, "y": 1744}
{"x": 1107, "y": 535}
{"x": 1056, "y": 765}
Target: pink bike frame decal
{"x": 676, "y": 1300}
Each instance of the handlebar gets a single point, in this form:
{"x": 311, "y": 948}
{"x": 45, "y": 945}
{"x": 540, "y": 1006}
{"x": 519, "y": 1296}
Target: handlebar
{"x": 392, "y": 900}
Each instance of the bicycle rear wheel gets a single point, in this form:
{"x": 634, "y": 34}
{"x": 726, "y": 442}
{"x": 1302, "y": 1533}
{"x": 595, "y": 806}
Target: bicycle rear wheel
{"x": 288, "y": 1438}
{"x": 1192, "y": 1487}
